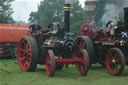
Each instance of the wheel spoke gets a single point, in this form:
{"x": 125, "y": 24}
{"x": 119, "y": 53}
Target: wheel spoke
{"x": 23, "y": 43}
{"x": 23, "y": 58}
{"x": 81, "y": 44}
{"x": 27, "y": 46}
{"x": 22, "y": 50}
{"x": 117, "y": 60}
{"x": 28, "y": 50}
{"x": 25, "y": 64}
{"x": 28, "y": 54}
{"x": 28, "y": 58}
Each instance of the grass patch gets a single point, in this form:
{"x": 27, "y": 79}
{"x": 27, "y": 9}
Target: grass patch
{"x": 96, "y": 76}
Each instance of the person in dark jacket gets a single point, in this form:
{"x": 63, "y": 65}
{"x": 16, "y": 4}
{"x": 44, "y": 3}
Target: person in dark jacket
{"x": 35, "y": 27}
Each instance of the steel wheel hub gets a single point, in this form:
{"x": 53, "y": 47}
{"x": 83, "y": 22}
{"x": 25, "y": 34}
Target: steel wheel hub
{"x": 113, "y": 61}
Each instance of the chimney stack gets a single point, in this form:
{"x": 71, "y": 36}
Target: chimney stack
{"x": 67, "y": 17}
{"x": 126, "y": 18}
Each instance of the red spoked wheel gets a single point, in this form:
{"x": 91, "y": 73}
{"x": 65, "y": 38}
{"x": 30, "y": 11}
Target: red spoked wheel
{"x": 50, "y": 63}
{"x": 84, "y": 65}
{"x": 27, "y": 54}
{"x": 86, "y": 43}
{"x": 115, "y": 61}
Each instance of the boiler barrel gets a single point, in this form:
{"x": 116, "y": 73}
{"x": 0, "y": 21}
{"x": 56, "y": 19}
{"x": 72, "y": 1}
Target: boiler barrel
{"x": 12, "y": 33}
{"x": 126, "y": 18}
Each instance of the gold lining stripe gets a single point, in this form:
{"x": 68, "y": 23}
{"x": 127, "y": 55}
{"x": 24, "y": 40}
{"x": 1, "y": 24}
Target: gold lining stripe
{"x": 67, "y": 8}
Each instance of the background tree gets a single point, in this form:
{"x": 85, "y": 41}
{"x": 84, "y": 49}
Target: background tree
{"x": 52, "y": 11}
{"x": 48, "y": 11}
{"x": 6, "y": 11}
{"x": 77, "y": 18}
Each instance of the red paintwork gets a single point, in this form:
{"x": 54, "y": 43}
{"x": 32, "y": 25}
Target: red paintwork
{"x": 69, "y": 61}
{"x": 5, "y": 70}
{"x": 12, "y": 33}
{"x": 10, "y": 36}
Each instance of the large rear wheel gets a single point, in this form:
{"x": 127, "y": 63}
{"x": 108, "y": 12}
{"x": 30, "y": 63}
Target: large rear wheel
{"x": 27, "y": 54}
{"x": 115, "y": 61}
{"x": 86, "y": 43}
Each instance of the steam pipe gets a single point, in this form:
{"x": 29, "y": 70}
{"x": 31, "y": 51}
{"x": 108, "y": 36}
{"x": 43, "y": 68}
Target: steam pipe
{"x": 67, "y": 17}
{"x": 126, "y": 18}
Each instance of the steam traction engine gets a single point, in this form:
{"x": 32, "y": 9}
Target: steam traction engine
{"x": 108, "y": 47}
{"x": 52, "y": 47}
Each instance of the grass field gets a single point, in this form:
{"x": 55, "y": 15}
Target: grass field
{"x": 96, "y": 76}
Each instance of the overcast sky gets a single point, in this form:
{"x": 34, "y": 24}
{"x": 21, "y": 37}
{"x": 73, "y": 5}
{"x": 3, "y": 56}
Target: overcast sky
{"x": 22, "y": 8}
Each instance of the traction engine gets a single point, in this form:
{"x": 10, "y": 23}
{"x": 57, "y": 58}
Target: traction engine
{"x": 108, "y": 46}
{"x": 53, "y": 47}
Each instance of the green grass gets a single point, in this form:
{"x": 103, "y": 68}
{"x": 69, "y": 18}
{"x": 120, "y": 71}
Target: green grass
{"x": 96, "y": 76}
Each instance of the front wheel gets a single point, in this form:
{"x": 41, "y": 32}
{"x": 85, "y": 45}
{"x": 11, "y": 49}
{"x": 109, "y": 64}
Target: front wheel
{"x": 84, "y": 65}
{"x": 115, "y": 61}
{"x": 50, "y": 63}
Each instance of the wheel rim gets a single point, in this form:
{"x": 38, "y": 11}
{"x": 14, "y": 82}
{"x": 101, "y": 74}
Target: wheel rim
{"x": 48, "y": 64}
{"x": 24, "y": 54}
{"x": 113, "y": 62}
{"x": 81, "y": 66}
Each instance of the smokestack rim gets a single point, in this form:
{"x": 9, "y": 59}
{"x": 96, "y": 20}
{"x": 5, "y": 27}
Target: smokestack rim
{"x": 67, "y": 7}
